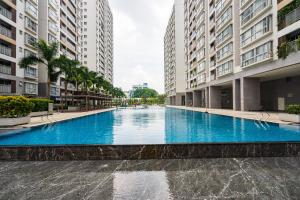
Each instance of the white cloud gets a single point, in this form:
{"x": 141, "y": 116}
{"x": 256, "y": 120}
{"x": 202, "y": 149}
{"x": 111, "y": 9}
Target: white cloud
{"x": 139, "y": 27}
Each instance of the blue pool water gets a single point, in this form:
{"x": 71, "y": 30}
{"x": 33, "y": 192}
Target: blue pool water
{"x": 153, "y": 126}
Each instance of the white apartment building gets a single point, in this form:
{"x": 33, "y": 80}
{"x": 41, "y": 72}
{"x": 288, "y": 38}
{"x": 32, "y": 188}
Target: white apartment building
{"x": 242, "y": 54}
{"x": 97, "y": 37}
{"x": 174, "y": 65}
{"x": 18, "y": 30}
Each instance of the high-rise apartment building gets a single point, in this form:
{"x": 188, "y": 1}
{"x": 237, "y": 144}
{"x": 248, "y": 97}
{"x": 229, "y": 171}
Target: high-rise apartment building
{"x": 59, "y": 21}
{"x": 97, "y": 37}
{"x": 68, "y": 22}
{"x": 18, "y": 30}
{"x": 242, "y": 54}
{"x": 174, "y": 56}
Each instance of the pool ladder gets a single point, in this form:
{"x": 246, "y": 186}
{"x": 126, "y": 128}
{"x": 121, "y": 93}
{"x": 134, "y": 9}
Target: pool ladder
{"x": 261, "y": 122}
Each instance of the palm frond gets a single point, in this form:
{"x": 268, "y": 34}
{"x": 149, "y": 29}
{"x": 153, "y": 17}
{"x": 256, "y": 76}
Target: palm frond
{"x": 30, "y": 60}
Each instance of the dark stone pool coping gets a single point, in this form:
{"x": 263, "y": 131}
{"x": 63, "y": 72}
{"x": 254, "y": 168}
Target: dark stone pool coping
{"x": 140, "y": 152}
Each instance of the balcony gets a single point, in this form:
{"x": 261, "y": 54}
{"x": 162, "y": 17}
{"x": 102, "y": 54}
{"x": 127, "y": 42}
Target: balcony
{"x": 286, "y": 48}
{"x": 5, "y": 31}
{"x": 4, "y": 69}
{"x": 5, "y": 50}
{"x": 6, "y": 13}
{"x": 5, "y": 88}
{"x": 288, "y": 19}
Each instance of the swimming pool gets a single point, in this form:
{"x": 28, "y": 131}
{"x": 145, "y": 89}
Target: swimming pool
{"x": 152, "y": 126}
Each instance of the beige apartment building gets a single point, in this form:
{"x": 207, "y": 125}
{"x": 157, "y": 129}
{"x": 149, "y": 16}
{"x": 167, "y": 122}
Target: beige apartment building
{"x": 174, "y": 66}
{"x": 242, "y": 54}
{"x": 18, "y": 29}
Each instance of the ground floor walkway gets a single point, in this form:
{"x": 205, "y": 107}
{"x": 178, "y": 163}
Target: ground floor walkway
{"x": 261, "y": 178}
{"x": 262, "y": 116}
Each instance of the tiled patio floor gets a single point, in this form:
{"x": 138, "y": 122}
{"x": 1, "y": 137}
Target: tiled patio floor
{"x": 263, "y": 116}
{"x": 264, "y": 178}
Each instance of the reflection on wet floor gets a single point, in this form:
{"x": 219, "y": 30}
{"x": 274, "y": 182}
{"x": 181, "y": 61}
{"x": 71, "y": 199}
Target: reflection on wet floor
{"x": 261, "y": 178}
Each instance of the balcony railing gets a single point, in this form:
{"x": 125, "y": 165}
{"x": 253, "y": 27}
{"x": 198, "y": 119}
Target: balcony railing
{"x": 5, "y": 88}
{"x": 289, "y": 18}
{"x": 5, "y": 50}
{"x": 4, "y": 69}
{"x": 5, "y": 31}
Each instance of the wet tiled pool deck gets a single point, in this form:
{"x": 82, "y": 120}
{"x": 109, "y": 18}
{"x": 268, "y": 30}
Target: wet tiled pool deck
{"x": 257, "y": 178}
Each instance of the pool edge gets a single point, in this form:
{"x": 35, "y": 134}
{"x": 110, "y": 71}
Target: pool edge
{"x": 143, "y": 152}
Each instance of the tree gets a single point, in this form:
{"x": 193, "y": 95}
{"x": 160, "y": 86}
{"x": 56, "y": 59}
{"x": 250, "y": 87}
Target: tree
{"x": 47, "y": 56}
{"x": 145, "y": 93}
{"x": 118, "y": 93}
{"x": 69, "y": 69}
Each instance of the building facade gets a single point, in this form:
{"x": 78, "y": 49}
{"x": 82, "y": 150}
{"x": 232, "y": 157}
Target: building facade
{"x": 23, "y": 22}
{"x": 174, "y": 65}
{"x": 242, "y": 54}
{"x": 97, "y": 37}
{"x": 18, "y": 30}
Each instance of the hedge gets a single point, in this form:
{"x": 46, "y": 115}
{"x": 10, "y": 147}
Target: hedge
{"x": 293, "y": 109}
{"x": 40, "y": 105}
{"x": 14, "y": 106}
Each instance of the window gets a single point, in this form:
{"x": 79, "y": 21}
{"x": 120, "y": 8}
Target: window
{"x": 253, "y": 10}
{"x": 28, "y": 53}
{"x": 224, "y": 18}
{"x": 225, "y": 68}
{"x": 31, "y": 88}
{"x": 225, "y": 51}
{"x": 30, "y": 72}
{"x": 31, "y": 9}
{"x": 29, "y": 39}
{"x": 227, "y": 33}
{"x": 30, "y": 24}
{"x": 257, "y": 31}
{"x": 257, "y": 54}
{"x": 220, "y": 6}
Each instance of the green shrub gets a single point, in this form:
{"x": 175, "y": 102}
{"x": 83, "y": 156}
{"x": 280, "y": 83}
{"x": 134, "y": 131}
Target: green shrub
{"x": 40, "y": 105}
{"x": 293, "y": 109}
{"x": 14, "y": 106}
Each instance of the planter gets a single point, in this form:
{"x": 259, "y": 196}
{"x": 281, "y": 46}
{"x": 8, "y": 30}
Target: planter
{"x": 289, "y": 117}
{"x": 8, "y": 122}
{"x": 38, "y": 114}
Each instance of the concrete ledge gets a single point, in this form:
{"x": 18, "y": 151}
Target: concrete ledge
{"x": 38, "y": 114}
{"x": 141, "y": 152}
{"x": 289, "y": 117}
{"x": 9, "y": 122}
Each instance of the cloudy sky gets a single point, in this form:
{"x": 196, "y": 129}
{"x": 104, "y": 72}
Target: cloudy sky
{"x": 139, "y": 27}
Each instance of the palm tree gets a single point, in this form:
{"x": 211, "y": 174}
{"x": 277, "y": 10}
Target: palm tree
{"x": 47, "y": 56}
{"x": 99, "y": 83}
{"x": 69, "y": 69}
